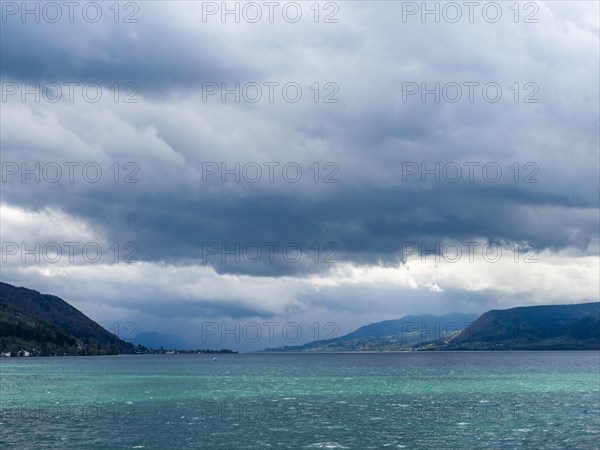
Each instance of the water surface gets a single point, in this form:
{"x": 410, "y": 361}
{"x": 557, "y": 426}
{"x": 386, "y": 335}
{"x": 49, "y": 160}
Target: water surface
{"x": 382, "y": 400}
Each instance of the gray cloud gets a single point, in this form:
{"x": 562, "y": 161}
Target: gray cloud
{"x": 372, "y": 135}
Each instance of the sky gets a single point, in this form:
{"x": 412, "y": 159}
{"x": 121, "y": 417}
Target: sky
{"x": 248, "y": 175}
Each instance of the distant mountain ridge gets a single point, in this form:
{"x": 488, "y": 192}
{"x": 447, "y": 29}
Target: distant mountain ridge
{"x": 546, "y": 327}
{"x": 407, "y": 323}
{"x": 390, "y": 335}
{"x": 43, "y": 324}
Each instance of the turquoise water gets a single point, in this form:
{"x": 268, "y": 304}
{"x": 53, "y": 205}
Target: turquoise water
{"x": 384, "y": 400}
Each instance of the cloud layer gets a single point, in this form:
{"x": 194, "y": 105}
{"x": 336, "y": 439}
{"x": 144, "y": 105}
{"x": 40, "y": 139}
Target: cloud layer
{"x": 361, "y": 173}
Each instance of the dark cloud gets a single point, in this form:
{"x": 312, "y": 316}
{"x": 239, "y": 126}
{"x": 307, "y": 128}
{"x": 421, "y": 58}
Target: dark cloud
{"x": 371, "y": 136}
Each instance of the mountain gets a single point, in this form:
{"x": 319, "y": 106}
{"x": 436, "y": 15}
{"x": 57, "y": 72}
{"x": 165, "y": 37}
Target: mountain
{"x": 44, "y": 324}
{"x": 390, "y": 335}
{"x": 551, "y": 327}
{"x": 156, "y": 340}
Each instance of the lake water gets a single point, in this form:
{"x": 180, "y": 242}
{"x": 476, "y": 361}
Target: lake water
{"x": 537, "y": 400}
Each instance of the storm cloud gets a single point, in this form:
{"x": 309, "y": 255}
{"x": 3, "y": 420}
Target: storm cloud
{"x": 302, "y": 169}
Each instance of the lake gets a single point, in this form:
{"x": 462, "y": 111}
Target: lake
{"x": 541, "y": 400}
